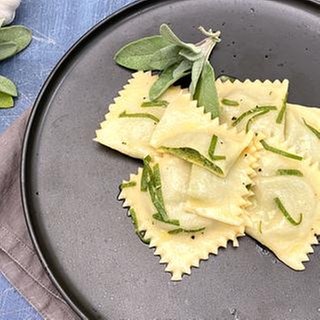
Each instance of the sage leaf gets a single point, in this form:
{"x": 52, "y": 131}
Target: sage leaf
{"x": 127, "y": 185}
{"x": 206, "y": 92}
{"x": 124, "y": 114}
{"x": 169, "y": 35}
{"x": 20, "y": 35}
{"x": 286, "y": 213}
{"x": 197, "y": 68}
{"x": 182, "y": 67}
{"x": 140, "y": 234}
{"x": 224, "y": 78}
{"x": 7, "y": 86}
{"x": 283, "y": 110}
{"x": 312, "y": 129}
{"x": 257, "y": 109}
{"x": 155, "y": 103}
{"x": 165, "y": 57}
{"x": 280, "y": 152}
{"x": 250, "y": 121}
{"x": 190, "y": 55}
{"x": 137, "y": 54}
{"x": 6, "y": 101}
{"x": 179, "y": 230}
{"x": 7, "y": 50}
{"x": 167, "y": 78}
{"x": 231, "y": 103}
{"x": 289, "y": 172}
{"x": 193, "y": 156}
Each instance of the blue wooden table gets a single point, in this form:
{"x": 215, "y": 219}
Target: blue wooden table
{"x": 56, "y": 25}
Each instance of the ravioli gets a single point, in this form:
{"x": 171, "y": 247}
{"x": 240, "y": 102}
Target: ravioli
{"x": 238, "y": 98}
{"x": 128, "y": 126}
{"x": 300, "y": 120}
{"x": 187, "y": 132}
{"x": 180, "y": 250}
{"x": 224, "y": 198}
{"x": 286, "y": 204}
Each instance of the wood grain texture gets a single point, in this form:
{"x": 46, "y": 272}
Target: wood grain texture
{"x": 56, "y": 25}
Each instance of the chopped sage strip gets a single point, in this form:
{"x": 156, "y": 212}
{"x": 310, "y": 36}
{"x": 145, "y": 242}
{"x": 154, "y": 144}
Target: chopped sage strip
{"x": 155, "y": 103}
{"x": 231, "y": 103}
{"x": 140, "y": 234}
{"x": 124, "y": 114}
{"x": 193, "y": 156}
{"x": 212, "y": 146}
{"x": 289, "y": 172}
{"x": 157, "y": 182}
{"x": 249, "y": 186}
{"x": 283, "y": 110}
{"x": 151, "y": 178}
{"x": 260, "y": 226}
{"x": 286, "y": 213}
{"x": 146, "y": 174}
{"x": 128, "y": 184}
{"x": 254, "y": 117}
{"x": 280, "y": 152}
{"x": 169, "y": 221}
{"x": 252, "y": 111}
{"x": 179, "y": 230}
{"x": 216, "y": 158}
{"x": 313, "y": 130}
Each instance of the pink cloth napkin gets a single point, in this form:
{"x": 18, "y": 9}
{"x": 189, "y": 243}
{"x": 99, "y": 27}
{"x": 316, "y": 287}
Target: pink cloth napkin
{"x": 18, "y": 260}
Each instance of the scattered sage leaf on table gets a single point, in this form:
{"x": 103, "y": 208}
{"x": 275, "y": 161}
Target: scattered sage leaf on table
{"x": 165, "y": 57}
{"x": 6, "y": 101}
{"x": 206, "y": 92}
{"x": 7, "y": 86}
{"x": 167, "y": 78}
{"x": 7, "y": 49}
{"x": 137, "y": 54}
{"x": 20, "y": 35}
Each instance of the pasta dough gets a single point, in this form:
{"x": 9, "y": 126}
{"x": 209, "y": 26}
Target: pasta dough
{"x": 250, "y": 94}
{"x": 180, "y": 250}
{"x": 126, "y": 127}
{"x": 184, "y": 125}
{"x": 297, "y": 132}
{"x": 297, "y": 186}
{"x": 224, "y": 198}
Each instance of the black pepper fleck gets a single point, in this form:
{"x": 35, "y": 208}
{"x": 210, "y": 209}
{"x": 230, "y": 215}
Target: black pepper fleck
{"x": 234, "y": 118}
{"x": 193, "y": 237}
{"x": 259, "y": 169}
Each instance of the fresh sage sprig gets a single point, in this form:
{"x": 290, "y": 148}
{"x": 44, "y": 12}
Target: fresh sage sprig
{"x": 13, "y": 39}
{"x": 175, "y": 59}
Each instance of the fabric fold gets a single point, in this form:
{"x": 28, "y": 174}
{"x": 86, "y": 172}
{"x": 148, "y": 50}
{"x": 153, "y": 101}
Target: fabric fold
{"x": 18, "y": 260}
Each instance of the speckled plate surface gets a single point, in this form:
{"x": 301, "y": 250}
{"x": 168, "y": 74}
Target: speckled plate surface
{"x": 70, "y": 184}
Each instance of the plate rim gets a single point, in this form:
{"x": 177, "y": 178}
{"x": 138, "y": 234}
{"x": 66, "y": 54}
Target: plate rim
{"x": 27, "y": 139}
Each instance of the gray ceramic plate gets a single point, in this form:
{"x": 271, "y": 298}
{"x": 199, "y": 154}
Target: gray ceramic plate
{"x": 70, "y": 184}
